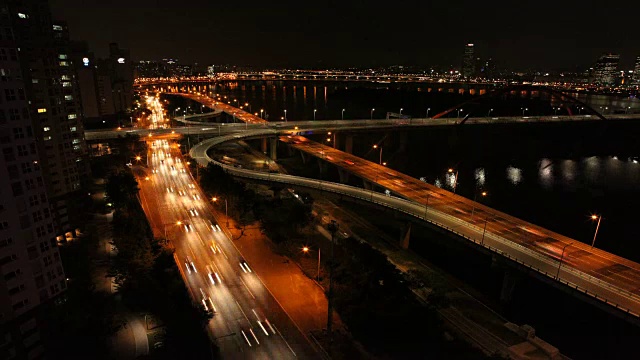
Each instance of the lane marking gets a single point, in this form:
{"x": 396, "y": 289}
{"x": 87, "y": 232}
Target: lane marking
{"x": 285, "y": 341}
{"x": 245, "y": 315}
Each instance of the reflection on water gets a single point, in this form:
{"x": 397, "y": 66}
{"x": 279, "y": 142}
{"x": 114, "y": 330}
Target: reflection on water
{"x": 514, "y": 175}
{"x": 546, "y": 173}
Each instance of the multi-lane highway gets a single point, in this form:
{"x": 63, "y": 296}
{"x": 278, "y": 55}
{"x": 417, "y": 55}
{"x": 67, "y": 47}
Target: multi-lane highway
{"x": 247, "y": 321}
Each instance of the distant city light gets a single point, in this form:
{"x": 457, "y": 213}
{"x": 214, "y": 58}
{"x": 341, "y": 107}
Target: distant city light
{"x": 85, "y": 61}
{"x": 120, "y": 60}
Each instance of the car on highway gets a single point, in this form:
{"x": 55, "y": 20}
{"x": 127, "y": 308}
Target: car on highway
{"x": 245, "y": 267}
{"x": 208, "y": 305}
{"x": 191, "y": 267}
{"x": 170, "y": 190}
{"x": 193, "y": 212}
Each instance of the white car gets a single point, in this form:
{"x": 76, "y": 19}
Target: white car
{"x": 244, "y": 266}
{"x": 191, "y": 267}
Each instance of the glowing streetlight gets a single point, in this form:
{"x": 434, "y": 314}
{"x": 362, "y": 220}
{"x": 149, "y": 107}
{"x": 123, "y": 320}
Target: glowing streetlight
{"x": 314, "y": 113}
{"x": 596, "y": 217}
{"x": 306, "y": 250}
{"x": 375, "y": 147}
{"x": 401, "y": 111}
{"x": 343, "y": 114}
{"x": 372, "y": 110}
{"x": 285, "y": 115}
{"x": 226, "y": 209}
{"x": 459, "y": 110}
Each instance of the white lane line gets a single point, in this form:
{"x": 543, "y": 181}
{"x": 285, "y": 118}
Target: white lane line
{"x": 246, "y": 287}
{"x": 254, "y": 336}
{"x": 256, "y": 314}
{"x": 245, "y": 315}
{"x": 245, "y": 337}
{"x": 285, "y": 341}
{"x": 271, "y": 327}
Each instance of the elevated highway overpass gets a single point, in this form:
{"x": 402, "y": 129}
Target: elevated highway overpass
{"x": 610, "y": 281}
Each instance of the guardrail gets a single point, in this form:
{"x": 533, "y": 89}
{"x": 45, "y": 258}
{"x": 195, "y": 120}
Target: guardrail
{"x": 417, "y": 210}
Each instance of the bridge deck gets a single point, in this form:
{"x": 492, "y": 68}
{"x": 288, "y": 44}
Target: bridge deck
{"x": 602, "y": 265}
{"x": 220, "y": 106}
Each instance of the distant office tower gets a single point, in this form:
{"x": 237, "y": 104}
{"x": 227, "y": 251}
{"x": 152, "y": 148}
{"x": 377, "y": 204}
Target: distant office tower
{"x": 606, "y": 69}
{"x": 38, "y": 165}
{"x": 121, "y": 73}
{"x": 468, "y": 62}
{"x": 636, "y": 72}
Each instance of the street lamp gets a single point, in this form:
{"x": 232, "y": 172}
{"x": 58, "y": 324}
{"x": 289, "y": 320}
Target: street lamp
{"x": 306, "y": 250}
{"x": 372, "y": 110}
{"x": 261, "y": 111}
{"x": 455, "y": 180}
{"x": 580, "y": 110}
{"x": 459, "y": 110}
{"x": 428, "y": 109}
{"x": 314, "y": 114}
{"x": 561, "y": 258}
{"x": 555, "y": 111}
{"x": 475, "y": 196}
{"x": 375, "y": 147}
{"x": 523, "y": 110}
{"x": 343, "y": 114}
{"x": 489, "y": 114}
{"x": 226, "y": 209}
{"x": 596, "y": 217}
{"x": 401, "y": 111}
{"x": 285, "y": 115}
{"x": 249, "y": 105}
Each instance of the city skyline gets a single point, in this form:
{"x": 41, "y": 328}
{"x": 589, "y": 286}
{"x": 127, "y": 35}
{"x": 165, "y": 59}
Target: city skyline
{"x": 286, "y": 34}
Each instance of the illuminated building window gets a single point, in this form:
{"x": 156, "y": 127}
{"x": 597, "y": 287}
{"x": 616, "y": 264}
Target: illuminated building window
{"x": 62, "y": 56}
{"x": 66, "y": 84}
{"x": 23, "y": 16}
{"x": 57, "y": 28}
{"x": 46, "y": 128}
{"x": 71, "y": 116}
{"x": 64, "y": 63}
{"x": 68, "y": 97}
{"x": 42, "y": 110}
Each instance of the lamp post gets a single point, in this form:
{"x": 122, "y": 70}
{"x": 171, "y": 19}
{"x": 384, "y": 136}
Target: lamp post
{"x": 455, "y": 180}
{"x": 594, "y": 217}
{"x": 372, "y": 110}
{"x": 178, "y": 223}
{"x": 285, "y": 115}
{"x": 314, "y": 114}
{"x": 375, "y": 147}
{"x": 555, "y": 111}
{"x": 306, "y": 250}
{"x": 343, "y": 114}
{"x": 489, "y": 114}
{"x": 428, "y": 109}
{"x": 580, "y": 110}
{"x": 249, "y": 105}
{"x": 226, "y": 209}
{"x": 484, "y": 231}
{"x": 459, "y": 110}
{"x": 261, "y": 111}
{"x": 484, "y": 193}
{"x": 561, "y": 258}
{"x": 523, "y": 110}
{"x": 401, "y": 111}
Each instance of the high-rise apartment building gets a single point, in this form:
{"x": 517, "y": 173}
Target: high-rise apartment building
{"x": 606, "y": 70}
{"x": 636, "y": 72}
{"x": 36, "y": 137}
{"x": 468, "y": 62}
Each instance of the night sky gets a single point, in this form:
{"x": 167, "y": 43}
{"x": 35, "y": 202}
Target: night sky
{"x": 545, "y": 35}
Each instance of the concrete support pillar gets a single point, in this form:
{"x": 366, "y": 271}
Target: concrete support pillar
{"x": 508, "y": 285}
{"x": 323, "y": 166}
{"x": 273, "y": 151}
{"x": 263, "y": 145}
{"x": 348, "y": 144}
{"x": 336, "y": 141}
{"x": 344, "y": 176}
{"x": 405, "y": 235}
